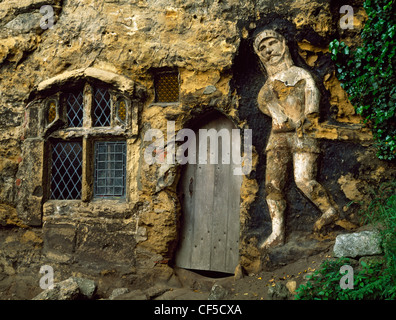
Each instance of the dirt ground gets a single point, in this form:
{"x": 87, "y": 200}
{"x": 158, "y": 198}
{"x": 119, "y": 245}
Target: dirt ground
{"x": 197, "y": 285}
{"x": 255, "y": 287}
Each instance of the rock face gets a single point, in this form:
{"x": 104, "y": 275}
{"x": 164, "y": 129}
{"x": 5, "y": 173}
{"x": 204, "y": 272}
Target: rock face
{"x": 365, "y": 243}
{"x": 126, "y": 48}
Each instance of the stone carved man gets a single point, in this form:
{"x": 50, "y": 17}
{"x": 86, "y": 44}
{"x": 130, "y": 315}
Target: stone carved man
{"x": 291, "y": 98}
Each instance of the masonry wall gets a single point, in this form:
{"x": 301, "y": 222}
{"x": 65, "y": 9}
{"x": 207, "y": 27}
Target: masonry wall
{"x": 210, "y": 44}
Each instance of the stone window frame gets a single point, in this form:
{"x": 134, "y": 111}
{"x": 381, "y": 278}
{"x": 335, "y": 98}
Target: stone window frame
{"x": 34, "y": 205}
{"x": 87, "y": 134}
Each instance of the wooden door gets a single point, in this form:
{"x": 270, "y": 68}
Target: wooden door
{"x": 210, "y": 199}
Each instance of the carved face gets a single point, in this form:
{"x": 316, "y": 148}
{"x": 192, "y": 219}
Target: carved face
{"x": 271, "y": 51}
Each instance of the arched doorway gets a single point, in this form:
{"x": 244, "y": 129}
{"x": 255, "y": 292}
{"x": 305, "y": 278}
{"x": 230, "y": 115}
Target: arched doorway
{"x": 210, "y": 199}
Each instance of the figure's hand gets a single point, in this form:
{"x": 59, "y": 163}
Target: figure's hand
{"x": 306, "y": 123}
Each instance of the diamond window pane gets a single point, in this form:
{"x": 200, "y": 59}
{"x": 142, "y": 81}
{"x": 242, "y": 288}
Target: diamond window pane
{"x": 167, "y": 87}
{"x": 110, "y": 169}
{"x": 66, "y": 171}
{"x": 75, "y": 109}
{"x": 102, "y": 108}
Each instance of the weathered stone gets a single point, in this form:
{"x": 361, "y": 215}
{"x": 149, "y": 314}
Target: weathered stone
{"x": 278, "y": 292}
{"x": 117, "y": 292}
{"x": 65, "y": 290}
{"x": 217, "y": 292}
{"x": 156, "y": 291}
{"x": 209, "y": 89}
{"x": 87, "y": 287}
{"x": 291, "y": 286}
{"x": 357, "y": 244}
{"x": 132, "y": 295}
{"x": 70, "y": 289}
{"x": 239, "y": 272}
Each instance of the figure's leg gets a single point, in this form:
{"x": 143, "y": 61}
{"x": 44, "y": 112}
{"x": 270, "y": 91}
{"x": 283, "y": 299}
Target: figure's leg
{"x": 305, "y": 170}
{"x": 275, "y": 180}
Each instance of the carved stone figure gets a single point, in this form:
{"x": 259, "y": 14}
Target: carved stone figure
{"x": 291, "y": 98}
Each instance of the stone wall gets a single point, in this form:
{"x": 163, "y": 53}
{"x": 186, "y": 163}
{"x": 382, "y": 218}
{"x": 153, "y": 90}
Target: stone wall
{"x": 209, "y": 42}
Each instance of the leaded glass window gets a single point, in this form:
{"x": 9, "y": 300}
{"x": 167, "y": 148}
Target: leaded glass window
{"x": 51, "y": 112}
{"x": 66, "y": 171}
{"x": 122, "y": 111}
{"x": 110, "y": 169}
{"x": 102, "y": 108}
{"x": 75, "y": 109}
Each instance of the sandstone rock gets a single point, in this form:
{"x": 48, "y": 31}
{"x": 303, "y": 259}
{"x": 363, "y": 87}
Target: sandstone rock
{"x": 239, "y": 272}
{"x": 291, "y": 285}
{"x": 209, "y": 89}
{"x": 352, "y": 245}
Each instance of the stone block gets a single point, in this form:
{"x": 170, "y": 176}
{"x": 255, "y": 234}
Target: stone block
{"x": 59, "y": 241}
{"x": 95, "y": 242}
{"x": 365, "y": 243}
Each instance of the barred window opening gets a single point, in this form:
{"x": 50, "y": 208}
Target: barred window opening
{"x": 110, "y": 169}
{"x": 167, "y": 87}
{"x": 66, "y": 171}
{"x": 102, "y": 108}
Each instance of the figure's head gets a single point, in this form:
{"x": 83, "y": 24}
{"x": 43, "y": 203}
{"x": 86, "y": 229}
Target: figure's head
{"x": 271, "y": 48}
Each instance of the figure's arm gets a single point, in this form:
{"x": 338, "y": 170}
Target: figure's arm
{"x": 311, "y": 110}
{"x": 312, "y": 100}
{"x": 262, "y": 104}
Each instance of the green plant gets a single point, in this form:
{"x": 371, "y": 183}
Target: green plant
{"x": 381, "y": 213}
{"x": 368, "y": 76}
{"x": 372, "y": 280}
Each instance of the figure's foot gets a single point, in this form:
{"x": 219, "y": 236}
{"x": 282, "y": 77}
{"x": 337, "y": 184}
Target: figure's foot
{"x": 275, "y": 239}
{"x": 328, "y": 217}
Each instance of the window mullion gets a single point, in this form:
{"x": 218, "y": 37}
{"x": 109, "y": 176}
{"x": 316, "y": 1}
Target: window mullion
{"x": 88, "y": 105}
{"x": 87, "y": 170}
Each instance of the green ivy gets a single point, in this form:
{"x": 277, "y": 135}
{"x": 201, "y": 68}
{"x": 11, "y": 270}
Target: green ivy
{"x": 367, "y": 74}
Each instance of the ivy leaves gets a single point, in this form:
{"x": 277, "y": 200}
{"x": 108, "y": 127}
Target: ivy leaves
{"x": 367, "y": 74}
